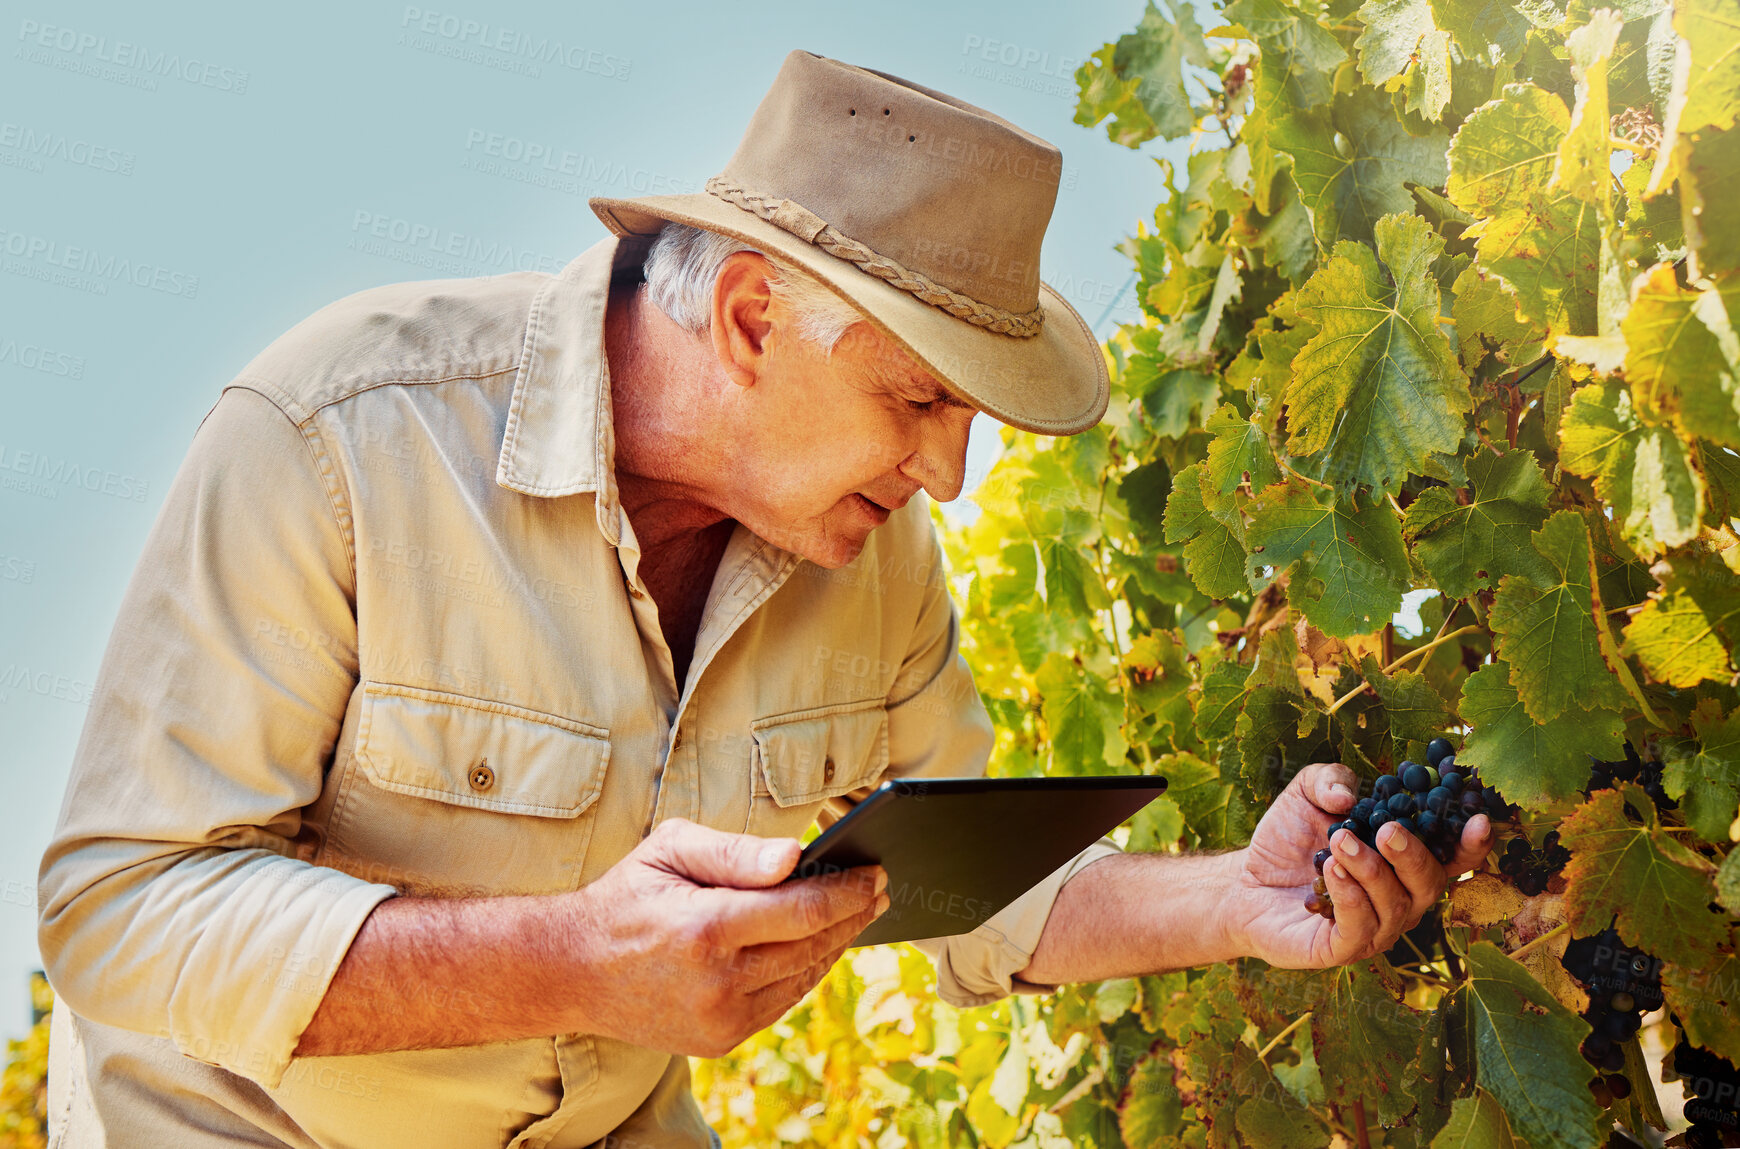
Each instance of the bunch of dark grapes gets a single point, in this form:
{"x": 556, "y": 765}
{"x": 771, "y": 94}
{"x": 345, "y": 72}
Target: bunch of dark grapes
{"x": 1623, "y": 984}
{"x": 1528, "y": 869}
{"x": 1432, "y": 802}
{"x": 1632, "y": 768}
{"x": 1712, "y": 1086}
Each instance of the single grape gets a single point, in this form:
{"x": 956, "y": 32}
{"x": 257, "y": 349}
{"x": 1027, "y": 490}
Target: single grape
{"x": 1623, "y": 1002}
{"x": 1594, "y": 1048}
{"x": 1614, "y": 1061}
{"x": 1386, "y": 787}
{"x": 1472, "y": 802}
{"x": 1517, "y": 847}
{"x": 1362, "y": 809}
{"x": 1451, "y": 781}
{"x": 1378, "y": 818}
{"x": 1614, "y": 1026}
{"x": 1319, "y": 886}
{"x": 1429, "y": 823}
{"x": 1401, "y": 805}
{"x": 1437, "y": 749}
{"x": 1414, "y": 777}
{"x": 1618, "y": 1085}
{"x": 1448, "y": 764}
{"x": 1322, "y": 856}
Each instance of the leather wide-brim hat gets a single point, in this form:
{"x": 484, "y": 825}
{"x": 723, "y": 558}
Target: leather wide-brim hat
{"x": 926, "y": 214}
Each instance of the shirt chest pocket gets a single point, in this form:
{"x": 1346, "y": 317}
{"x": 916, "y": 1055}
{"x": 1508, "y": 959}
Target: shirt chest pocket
{"x": 804, "y": 758}
{"x": 457, "y": 796}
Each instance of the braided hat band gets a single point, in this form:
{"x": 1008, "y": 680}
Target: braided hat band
{"x": 811, "y": 228}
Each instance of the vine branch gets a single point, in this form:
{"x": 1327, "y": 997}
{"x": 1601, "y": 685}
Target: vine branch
{"x": 1263, "y": 1053}
{"x": 1399, "y": 663}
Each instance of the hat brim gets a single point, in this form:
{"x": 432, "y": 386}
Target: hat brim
{"x": 1052, "y": 383}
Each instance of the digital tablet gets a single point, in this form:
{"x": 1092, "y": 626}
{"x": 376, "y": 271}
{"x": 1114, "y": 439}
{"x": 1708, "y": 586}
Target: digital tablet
{"x": 957, "y": 850}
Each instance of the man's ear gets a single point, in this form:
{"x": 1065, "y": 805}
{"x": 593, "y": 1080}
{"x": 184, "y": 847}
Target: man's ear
{"x": 741, "y": 319}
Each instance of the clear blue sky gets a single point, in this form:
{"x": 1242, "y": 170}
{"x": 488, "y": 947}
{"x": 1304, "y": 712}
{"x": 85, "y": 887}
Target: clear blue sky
{"x": 229, "y": 152}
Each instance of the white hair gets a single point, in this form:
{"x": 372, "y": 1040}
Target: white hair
{"x": 684, "y": 262}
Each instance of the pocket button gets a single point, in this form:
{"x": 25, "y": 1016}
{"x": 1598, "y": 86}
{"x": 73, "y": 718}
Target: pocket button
{"x": 481, "y": 776}
{"x": 828, "y": 770}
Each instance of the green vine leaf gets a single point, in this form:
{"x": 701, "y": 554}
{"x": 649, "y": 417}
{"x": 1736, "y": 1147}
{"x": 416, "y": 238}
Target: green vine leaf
{"x": 1476, "y": 1122}
{"x": 1525, "y": 1051}
{"x": 1466, "y": 548}
{"x": 1546, "y": 628}
{"x": 1366, "y": 1039}
{"x": 1377, "y": 389}
{"x": 1703, "y": 774}
{"x": 1535, "y": 765}
{"x": 1348, "y": 566}
{"x": 1352, "y": 164}
{"x": 1214, "y": 549}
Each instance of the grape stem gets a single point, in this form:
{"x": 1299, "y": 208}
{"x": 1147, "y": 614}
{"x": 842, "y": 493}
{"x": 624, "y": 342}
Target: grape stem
{"x": 1263, "y": 1053}
{"x": 1518, "y": 952}
{"x": 1399, "y": 663}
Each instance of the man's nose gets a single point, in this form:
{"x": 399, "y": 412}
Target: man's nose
{"x": 940, "y": 463}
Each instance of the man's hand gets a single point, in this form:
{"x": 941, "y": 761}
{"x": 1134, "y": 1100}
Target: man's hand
{"x": 690, "y": 944}
{"x": 1376, "y": 898}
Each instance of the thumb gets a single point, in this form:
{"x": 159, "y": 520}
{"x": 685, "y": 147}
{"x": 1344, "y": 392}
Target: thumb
{"x": 710, "y": 857}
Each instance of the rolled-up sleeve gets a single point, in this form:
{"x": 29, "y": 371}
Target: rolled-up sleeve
{"x": 173, "y": 901}
{"x": 938, "y": 727}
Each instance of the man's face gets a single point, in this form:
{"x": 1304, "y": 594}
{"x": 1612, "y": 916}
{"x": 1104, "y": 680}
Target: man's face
{"x": 836, "y": 442}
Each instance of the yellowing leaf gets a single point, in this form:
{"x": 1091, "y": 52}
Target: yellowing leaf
{"x": 1675, "y": 362}
{"x": 1684, "y": 634}
{"x": 1645, "y": 473}
{"x": 1659, "y": 889}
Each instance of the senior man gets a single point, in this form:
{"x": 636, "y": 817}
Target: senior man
{"x": 498, "y": 637}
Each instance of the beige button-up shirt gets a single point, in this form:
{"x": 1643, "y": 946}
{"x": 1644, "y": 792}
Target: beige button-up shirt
{"x": 388, "y": 635}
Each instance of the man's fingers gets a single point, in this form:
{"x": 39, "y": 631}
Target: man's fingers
{"x": 771, "y": 1001}
{"x": 1419, "y": 872}
{"x": 1476, "y": 843}
{"x": 764, "y": 964}
{"x": 1356, "y": 923}
{"x": 1389, "y": 899}
{"x": 794, "y": 910}
{"x": 1328, "y": 786}
{"x": 710, "y": 857}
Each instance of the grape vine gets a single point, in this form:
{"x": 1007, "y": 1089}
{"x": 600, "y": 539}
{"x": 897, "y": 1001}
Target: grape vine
{"x": 1422, "y": 450}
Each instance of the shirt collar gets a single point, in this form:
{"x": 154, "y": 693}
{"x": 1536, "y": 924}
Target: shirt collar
{"x": 559, "y": 438}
